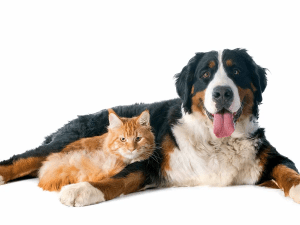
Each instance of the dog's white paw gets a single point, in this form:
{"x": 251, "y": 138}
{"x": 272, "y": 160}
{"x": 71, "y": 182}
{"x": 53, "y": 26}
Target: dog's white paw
{"x": 1, "y": 180}
{"x": 295, "y": 193}
{"x": 80, "y": 194}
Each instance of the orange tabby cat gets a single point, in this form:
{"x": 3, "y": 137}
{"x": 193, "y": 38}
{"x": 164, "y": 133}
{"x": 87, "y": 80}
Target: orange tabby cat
{"x": 92, "y": 159}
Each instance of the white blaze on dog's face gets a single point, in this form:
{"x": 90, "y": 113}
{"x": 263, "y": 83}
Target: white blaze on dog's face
{"x": 223, "y": 86}
{"x": 221, "y": 79}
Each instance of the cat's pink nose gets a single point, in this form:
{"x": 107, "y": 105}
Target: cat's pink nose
{"x": 131, "y": 149}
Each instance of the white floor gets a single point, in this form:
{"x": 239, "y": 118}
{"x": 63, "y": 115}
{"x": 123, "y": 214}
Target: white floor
{"x": 23, "y": 201}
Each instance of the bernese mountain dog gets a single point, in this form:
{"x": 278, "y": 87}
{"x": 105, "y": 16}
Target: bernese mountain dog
{"x": 208, "y": 136}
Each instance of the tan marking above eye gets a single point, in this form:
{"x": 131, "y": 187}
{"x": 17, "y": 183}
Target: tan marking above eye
{"x": 211, "y": 64}
{"x": 206, "y": 74}
{"x": 229, "y": 62}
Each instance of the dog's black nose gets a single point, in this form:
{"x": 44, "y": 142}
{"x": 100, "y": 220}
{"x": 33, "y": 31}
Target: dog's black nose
{"x": 222, "y": 96}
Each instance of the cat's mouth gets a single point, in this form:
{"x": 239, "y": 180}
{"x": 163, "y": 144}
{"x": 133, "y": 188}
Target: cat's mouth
{"x": 130, "y": 154}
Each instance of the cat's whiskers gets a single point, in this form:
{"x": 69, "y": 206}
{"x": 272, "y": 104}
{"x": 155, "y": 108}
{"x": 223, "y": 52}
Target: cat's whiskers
{"x": 151, "y": 154}
{"x": 155, "y": 159}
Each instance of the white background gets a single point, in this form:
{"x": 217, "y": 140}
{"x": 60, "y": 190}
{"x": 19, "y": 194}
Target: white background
{"x": 60, "y": 59}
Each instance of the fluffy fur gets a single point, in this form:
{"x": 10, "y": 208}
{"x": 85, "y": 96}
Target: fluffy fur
{"x": 188, "y": 151}
{"x": 209, "y": 160}
{"x": 128, "y": 140}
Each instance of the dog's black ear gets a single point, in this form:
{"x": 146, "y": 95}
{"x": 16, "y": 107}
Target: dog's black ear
{"x": 258, "y": 75}
{"x": 259, "y": 81}
{"x": 184, "y": 81}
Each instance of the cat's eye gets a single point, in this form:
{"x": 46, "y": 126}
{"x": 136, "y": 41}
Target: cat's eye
{"x": 123, "y": 139}
{"x": 137, "y": 139}
{"x": 236, "y": 72}
{"x": 206, "y": 74}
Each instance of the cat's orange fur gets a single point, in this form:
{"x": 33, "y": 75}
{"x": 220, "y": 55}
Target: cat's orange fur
{"x": 92, "y": 159}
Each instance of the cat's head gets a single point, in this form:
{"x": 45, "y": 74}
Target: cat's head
{"x": 130, "y": 138}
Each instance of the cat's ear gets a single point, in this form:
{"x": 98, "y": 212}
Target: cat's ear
{"x": 144, "y": 118}
{"x": 114, "y": 119}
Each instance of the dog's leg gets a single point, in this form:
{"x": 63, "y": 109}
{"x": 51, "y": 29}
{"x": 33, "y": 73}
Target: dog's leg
{"x": 88, "y": 193}
{"x": 279, "y": 171}
{"x": 288, "y": 180}
{"x": 270, "y": 184}
{"x": 30, "y": 161}
{"x": 20, "y": 168}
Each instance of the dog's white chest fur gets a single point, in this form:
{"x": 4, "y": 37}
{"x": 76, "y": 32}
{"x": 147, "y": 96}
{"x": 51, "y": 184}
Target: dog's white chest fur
{"x": 206, "y": 160}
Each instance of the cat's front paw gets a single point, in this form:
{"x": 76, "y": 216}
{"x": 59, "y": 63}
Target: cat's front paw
{"x": 2, "y": 180}
{"x": 80, "y": 194}
{"x": 295, "y": 193}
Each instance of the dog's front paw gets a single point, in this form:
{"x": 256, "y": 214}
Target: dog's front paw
{"x": 295, "y": 193}
{"x": 80, "y": 194}
{"x": 2, "y": 180}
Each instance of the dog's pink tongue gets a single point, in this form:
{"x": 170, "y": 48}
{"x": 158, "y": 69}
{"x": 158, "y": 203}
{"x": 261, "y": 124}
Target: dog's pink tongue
{"x": 223, "y": 125}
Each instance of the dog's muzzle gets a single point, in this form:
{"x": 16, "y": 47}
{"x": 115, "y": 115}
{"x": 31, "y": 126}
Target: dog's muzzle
{"x": 224, "y": 119}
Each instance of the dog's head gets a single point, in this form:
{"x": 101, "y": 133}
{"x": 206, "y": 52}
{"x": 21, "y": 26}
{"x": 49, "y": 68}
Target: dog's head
{"x": 225, "y": 87}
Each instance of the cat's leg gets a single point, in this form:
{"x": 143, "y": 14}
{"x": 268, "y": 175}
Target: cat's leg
{"x": 88, "y": 193}
{"x": 64, "y": 168}
{"x": 53, "y": 179}
{"x": 30, "y": 161}
{"x": 52, "y": 183}
{"x": 132, "y": 178}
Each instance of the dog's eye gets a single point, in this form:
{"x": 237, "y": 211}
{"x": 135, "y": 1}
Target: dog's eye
{"x": 236, "y": 72}
{"x": 123, "y": 139}
{"x": 206, "y": 74}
